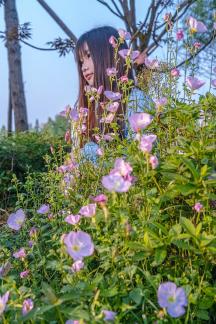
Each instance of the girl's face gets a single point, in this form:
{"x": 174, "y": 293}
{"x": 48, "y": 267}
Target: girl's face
{"x": 87, "y": 65}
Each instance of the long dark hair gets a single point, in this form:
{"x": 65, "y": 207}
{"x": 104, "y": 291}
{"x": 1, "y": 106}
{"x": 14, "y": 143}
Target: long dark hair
{"x": 102, "y": 53}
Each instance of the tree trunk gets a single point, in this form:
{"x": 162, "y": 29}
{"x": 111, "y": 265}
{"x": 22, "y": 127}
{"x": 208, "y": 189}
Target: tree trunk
{"x": 10, "y": 111}
{"x": 15, "y": 67}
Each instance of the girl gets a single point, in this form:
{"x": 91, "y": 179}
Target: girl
{"x": 101, "y": 69}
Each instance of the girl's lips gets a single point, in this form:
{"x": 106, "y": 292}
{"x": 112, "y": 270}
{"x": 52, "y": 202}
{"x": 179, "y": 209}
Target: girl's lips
{"x": 89, "y": 76}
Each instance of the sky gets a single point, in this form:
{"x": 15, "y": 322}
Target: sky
{"x": 50, "y": 81}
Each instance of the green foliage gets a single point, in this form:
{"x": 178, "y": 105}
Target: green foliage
{"x": 146, "y": 236}
{"x": 20, "y": 154}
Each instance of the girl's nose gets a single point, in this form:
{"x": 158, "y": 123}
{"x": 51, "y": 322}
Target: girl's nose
{"x": 84, "y": 68}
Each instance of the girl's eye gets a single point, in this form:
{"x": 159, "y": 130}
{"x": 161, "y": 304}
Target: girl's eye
{"x": 88, "y": 55}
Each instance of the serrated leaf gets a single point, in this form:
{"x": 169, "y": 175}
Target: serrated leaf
{"x": 160, "y": 255}
{"x": 188, "y": 225}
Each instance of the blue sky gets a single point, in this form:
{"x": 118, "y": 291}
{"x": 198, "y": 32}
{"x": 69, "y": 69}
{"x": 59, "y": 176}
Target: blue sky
{"x": 51, "y": 81}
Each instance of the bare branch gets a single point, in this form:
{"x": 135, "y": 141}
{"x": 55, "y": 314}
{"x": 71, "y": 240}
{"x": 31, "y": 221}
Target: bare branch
{"x": 198, "y": 52}
{"x": 184, "y": 5}
{"x": 108, "y": 6}
{"x": 58, "y": 20}
{"x": 117, "y": 8}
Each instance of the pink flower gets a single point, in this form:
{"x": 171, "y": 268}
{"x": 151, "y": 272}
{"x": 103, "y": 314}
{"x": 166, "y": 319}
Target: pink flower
{"x": 16, "y": 220}
{"x": 196, "y": 26}
{"x": 179, "y": 34}
{"x": 197, "y": 45}
{"x": 213, "y": 83}
{"x": 151, "y": 64}
{"x": 175, "y": 73}
{"x": 194, "y": 83}
{"x": 52, "y": 149}
{"x": 124, "y": 79}
{"x": 198, "y": 207}
{"x": 65, "y": 113}
{"x": 139, "y": 121}
{"x": 74, "y": 115}
{"x": 111, "y": 72}
{"x": 88, "y": 210}
{"x": 100, "y": 90}
{"x": 33, "y": 232}
{"x": 77, "y": 266}
{"x": 115, "y": 183}
{"x": 124, "y": 34}
{"x": 21, "y": 254}
{"x": 109, "y": 315}
{"x": 124, "y": 53}
{"x": 27, "y": 306}
{"x": 146, "y": 143}
{"x": 108, "y": 119}
{"x": 113, "y": 106}
{"x": 108, "y": 137}
{"x": 167, "y": 16}
{"x": 44, "y": 209}
{"x": 160, "y": 102}
{"x": 24, "y": 274}
{"x": 67, "y": 136}
{"x": 72, "y": 219}
{"x": 3, "y": 302}
{"x": 112, "y": 95}
{"x": 100, "y": 151}
{"x": 100, "y": 198}
{"x": 153, "y": 160}
{"x": 113, "y": 41}
{"x": 79, "y": 245}
{"x": 122, "y": 167}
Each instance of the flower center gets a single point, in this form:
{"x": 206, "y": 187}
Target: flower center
{"x": 171, "y": 299}
{"x": 76, "y": 248}
{"x": 193, "y": 30}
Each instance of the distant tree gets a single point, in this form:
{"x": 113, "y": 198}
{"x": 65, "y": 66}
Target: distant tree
{"x": 17, "y": 102}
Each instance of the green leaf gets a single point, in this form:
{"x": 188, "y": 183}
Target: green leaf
{"x": 188, "y": 225}
{"x": 189, "y": 164}
{"x": 203, "y": 314}
{"x": 186, "y": 189}
{"x": 160, "y": 255}
{"x": 136, "y": 295}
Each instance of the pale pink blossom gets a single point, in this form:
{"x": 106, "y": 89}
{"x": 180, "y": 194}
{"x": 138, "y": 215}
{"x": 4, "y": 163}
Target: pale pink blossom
{"x": 88, "y": 210}
{"x": 175, "y": 73}
{"x": 124, "y": 53}
{"x": 194, "y": 83}
{"x": 111, "y": 72}
{"x": 124, "y": 79}
{"x": 77, "y": 266}
{"x": 28, "y": 305}
{"x": 20, "y": 254}
{"x": 151, "y": 64}
{"x": 122, "y": 167}
{"x": 72, "y": 219}
{"x": 179, "y": 34}
{"x": 146, "y": 143}
{"x": 213, "y": 83}
{"x": 24, "y": 274}
{"x": 161, "y": 102}
{"x": 153, "y": 160}
{"x": 100, "y": 198}
{"x": 112, "y": 95}
{"x": 67, "y": 136}
{"x": 113, "y": 106}
{"x": 100, "y": 151}
{"x": 198, "y": 207}
{"x": 100, "y": 90}
{"x": 139, "y": 121}
{"x": 108, "y": 119}
{"x": 108, "y": 137}
{"x": 196, "y": 26}
{"x": 197, "y": 45}
{"x": 16, "y": 220}
{"x": 113, "y": 41}
{"x": 115, "y": 183}
{"x": 3, "y": 302}
{"x": 125, "y": 35}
